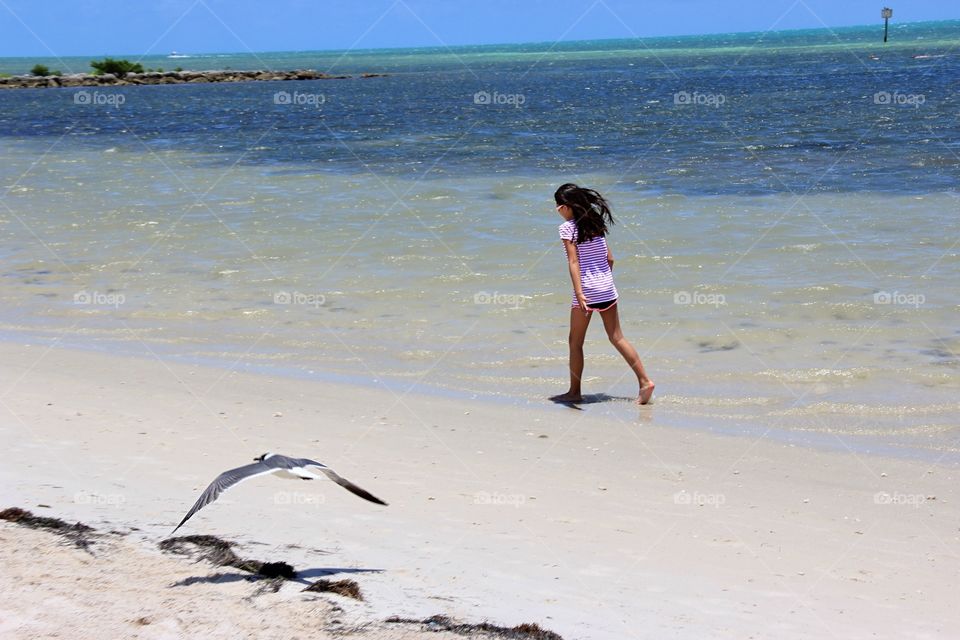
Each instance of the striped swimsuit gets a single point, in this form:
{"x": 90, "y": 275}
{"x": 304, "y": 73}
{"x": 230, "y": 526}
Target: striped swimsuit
{"x": 596, "y": 277}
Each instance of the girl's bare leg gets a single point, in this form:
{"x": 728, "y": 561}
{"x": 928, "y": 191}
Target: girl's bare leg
{"x": 611, "y": 322}
{"x": 579, "y": 321}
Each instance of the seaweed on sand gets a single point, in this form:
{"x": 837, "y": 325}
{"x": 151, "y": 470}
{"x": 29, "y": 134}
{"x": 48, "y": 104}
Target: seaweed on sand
{"x": 347, "y": 588}
{"x": 526, "y": 631}
{"x": 78, "y": 533}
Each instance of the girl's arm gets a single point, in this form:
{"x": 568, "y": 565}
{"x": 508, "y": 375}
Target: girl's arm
{"x": 610, "y": 257}
{"x": 573, "y": 262}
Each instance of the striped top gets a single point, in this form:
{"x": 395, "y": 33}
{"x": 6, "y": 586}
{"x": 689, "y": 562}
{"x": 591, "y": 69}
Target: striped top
{"x": 596, "y": 277}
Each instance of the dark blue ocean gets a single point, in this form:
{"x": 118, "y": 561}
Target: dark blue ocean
{"x": 741, "y": 114}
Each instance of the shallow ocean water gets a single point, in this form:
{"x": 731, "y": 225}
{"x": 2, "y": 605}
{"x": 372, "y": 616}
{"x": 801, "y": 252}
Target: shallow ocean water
{"x": 787, "y": 257}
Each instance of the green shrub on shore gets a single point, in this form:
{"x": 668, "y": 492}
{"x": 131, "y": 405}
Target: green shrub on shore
{"x": 119, "y": 68}
{"x": 43, "y": 71}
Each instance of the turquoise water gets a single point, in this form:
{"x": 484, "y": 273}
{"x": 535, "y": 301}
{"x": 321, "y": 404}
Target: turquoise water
{"x": 786, "y": 241}
{"x": 702, "y": 49}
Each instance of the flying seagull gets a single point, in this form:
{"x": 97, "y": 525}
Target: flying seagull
{"x": 277, "y": 464}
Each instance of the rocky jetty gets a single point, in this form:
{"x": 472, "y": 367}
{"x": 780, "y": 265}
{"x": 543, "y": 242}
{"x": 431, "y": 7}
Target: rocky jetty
{"x": 166, "y": 77}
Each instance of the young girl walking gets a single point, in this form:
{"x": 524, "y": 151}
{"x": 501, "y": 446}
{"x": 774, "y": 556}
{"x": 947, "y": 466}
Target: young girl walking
{"x": 586, "y": 215}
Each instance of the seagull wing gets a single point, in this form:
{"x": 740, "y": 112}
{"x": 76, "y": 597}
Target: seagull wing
{"x": 340, "y": 480}
{"x": 223, "y": 482}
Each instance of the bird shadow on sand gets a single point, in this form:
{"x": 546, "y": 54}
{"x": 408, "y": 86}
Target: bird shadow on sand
{"x": 590, "y": 398}
{"x": 322, "y": 572}
{"x": 219, "y": 553}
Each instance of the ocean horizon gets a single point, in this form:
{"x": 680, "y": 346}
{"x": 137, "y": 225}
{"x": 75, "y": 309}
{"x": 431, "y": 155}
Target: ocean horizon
{"x": 851, "y": 38}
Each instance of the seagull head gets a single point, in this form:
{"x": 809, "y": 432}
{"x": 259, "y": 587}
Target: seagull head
{"x": 263, "y": 457}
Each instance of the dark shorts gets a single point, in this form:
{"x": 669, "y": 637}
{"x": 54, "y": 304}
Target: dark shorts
{"x": 601, "y": 306}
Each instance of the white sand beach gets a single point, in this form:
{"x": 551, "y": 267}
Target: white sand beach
{"x": 590, "y": 526}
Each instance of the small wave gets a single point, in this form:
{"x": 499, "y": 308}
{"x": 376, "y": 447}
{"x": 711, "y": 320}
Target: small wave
{"x": 817, "y": 375}
{"x": 915, "y": 430}
{"x": 765, "y": 147}
{"x": 414, "y": 257}
{"x": 819, "y": 287}
{"x": 418, "y": 354}
{"x": 801, "y": 247}
{"x": 849, "y": 408}
{"x": 516, "y": 363}
{"x": 757, "y": 401}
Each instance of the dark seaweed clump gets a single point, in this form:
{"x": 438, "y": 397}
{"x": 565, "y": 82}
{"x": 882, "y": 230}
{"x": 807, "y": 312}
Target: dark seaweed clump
{"x": 348, "y": 588}
{"x": 77, "y": 533}
{"x": 220, "y": 552}
{"x": 526, "y": 631}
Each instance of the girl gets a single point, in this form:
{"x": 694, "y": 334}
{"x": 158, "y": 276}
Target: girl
{"x": 586, "y": 216}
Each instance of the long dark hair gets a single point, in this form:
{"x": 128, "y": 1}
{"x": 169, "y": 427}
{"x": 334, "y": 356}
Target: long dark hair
{"x": 591, "y": 212}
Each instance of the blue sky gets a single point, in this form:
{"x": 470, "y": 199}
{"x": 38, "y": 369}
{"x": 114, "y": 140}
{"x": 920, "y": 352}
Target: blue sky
{"x": 95, "y": 27}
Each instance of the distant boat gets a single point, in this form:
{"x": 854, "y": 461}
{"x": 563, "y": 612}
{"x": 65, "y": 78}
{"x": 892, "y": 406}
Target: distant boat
{"x": 174, "y": 54}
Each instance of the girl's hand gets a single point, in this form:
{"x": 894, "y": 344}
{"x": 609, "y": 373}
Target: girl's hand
{"x": 583, "y": 304}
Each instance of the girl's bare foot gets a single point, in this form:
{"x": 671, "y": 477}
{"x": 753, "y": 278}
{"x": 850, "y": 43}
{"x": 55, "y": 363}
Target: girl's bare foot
{"x": 646, "y": 392}
{"x": 567, "y": 397}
